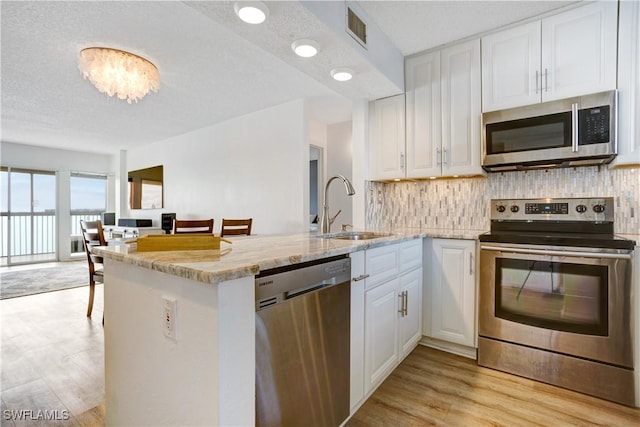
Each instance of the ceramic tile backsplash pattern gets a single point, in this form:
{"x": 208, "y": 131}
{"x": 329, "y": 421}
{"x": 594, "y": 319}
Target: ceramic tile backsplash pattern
{"x": 464, "y": 203}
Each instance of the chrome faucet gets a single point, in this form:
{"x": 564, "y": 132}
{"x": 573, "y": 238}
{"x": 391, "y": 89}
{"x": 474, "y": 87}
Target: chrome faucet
{"x": 325, "y": 221}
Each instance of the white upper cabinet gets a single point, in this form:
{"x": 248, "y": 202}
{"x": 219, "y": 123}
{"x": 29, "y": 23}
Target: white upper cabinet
{"x": 511, "y": 67}
{"x": 387, "y": 148}
{"x": 443, "y": 112}
{"x": 461, "y": 110}
{"x": 629, "y": 84}
{"x": 569, "y": 54}
{"x": 424, "y": 117}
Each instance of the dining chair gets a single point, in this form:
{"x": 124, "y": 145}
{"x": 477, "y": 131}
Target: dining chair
{"x": 235, "y": 227}
{"x": 181, "y": 226}
{"x": 93, "y": 235}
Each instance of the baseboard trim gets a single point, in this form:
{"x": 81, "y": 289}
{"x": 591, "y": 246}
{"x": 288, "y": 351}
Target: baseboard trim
{"x": 460, "y": 350}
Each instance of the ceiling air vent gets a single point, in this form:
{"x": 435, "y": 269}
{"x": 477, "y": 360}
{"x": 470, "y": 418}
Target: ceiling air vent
{"x": 356, "y": 27}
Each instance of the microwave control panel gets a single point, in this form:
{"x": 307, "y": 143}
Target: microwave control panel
{"x": 594, "y": 125}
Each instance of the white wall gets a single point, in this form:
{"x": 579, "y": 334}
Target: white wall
{"x": 63, "y": 162}
{"x": 250, "y": 166}
{"x": 360, "y": 164}
{"x": 339, "y": 161}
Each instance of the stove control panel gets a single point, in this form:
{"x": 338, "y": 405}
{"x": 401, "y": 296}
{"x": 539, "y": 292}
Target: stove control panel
{"x": 592, "y": 209}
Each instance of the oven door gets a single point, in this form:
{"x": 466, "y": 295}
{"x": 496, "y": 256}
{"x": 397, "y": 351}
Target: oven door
{"x": 574, "y": 301}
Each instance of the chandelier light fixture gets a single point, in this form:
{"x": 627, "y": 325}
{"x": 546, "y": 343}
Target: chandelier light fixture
{"x": 119, "y": 73}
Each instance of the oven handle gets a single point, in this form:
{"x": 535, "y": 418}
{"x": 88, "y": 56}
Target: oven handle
{"x": 557, "y": 253}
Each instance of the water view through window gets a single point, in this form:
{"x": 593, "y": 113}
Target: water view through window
{"x": 88, "y": 202}
{"x": 27, "y": 215}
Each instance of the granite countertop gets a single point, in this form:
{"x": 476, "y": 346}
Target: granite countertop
{"x": 248, "y": 255}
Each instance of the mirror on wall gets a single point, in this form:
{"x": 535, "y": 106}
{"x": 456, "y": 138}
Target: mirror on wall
{"x": 145, "y": 188}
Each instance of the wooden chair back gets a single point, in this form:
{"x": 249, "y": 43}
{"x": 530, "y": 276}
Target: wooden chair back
{"x": 93, "y": 235}
{"x": 181, "y": 226}
{"x": 236, "y": 227}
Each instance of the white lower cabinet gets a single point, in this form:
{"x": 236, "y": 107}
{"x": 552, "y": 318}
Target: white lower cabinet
{"x": 381, "y": 310}
{"x": 386, "y": 312}
{"x": 451, "y": 292}
{"x": 356, "y": 365}
{"x": 410, "y": 322}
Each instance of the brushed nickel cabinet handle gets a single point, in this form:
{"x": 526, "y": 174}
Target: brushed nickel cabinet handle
{"x": 359, "y": 278}
{"x": 546, "y": 83}
{"x": 406, "y": 303}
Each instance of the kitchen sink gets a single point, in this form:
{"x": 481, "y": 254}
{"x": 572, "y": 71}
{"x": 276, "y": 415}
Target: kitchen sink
{"x": 355, "y": 235}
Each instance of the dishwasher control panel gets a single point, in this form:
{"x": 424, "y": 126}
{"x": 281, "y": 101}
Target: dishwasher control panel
{"x": 280, "y": 284}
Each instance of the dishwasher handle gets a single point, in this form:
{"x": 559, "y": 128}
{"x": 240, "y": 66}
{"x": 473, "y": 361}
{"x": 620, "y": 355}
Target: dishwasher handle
{"x": 310, "y": 288}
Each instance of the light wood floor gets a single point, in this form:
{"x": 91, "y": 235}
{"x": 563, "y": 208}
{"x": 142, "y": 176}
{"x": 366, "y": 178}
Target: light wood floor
{"x": 435, "y": 388}
{"x": 52, "y": 358}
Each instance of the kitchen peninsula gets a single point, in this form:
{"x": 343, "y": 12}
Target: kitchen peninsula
{"x": 206, "y": 374}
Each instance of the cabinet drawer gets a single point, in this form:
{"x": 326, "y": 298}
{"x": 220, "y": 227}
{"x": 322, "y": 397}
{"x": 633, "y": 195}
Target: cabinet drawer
{"x": 382, "y": 264}
{"x": 410, "y": 255}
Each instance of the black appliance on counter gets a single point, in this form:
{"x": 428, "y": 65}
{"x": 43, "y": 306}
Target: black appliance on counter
{"x": 167, "y": 222}
{"x": 108, "y": 218}
{"x": 134, "y": 222}
{"x": 555, "y": 296}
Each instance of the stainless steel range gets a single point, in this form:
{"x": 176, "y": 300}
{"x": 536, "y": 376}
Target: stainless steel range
{"x": 555, "y": 295}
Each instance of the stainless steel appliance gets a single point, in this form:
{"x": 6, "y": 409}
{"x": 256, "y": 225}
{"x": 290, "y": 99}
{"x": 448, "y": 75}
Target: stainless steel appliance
{"x": 555, "y": 292}
{"x": 302, "y": 344}
{"x": 570, "y": 132}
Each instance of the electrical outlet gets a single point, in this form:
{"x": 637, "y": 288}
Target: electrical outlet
{"x": 169, "y": 312}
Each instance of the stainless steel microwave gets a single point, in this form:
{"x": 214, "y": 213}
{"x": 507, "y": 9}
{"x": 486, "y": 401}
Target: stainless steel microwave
{"x": 578, "y": 131}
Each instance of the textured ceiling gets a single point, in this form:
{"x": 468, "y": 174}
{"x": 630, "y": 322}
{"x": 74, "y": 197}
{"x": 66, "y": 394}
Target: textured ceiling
{"x": 213, "y": 67}
{"x": 415, "y": 26}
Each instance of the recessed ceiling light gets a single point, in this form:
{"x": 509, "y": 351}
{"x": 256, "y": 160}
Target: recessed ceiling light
{"x": 305, "y": 48}
{"x": 342, "y": 74}
{"x": 251, "y": 12}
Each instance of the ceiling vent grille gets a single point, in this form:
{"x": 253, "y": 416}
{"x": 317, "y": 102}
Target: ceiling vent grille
{"x": 356, "y": 27}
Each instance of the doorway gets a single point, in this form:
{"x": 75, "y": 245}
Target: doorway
{"x": 316, "y": 178}
{"x": 27, "y": 216}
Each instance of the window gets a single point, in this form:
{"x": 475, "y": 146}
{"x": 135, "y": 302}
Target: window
{"x": 88, "y": 194}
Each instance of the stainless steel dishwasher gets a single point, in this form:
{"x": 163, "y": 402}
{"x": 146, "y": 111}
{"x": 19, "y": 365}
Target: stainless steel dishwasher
{"x": 302, "y": 344}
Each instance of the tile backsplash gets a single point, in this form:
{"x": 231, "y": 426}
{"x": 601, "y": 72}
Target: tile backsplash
{"x": 463, "y": 203}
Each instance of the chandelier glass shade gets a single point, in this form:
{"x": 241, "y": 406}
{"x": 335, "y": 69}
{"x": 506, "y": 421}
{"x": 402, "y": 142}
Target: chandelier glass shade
{"x": 119, "y": 73}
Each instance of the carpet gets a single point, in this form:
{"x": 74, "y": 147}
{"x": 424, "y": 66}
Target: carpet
{"x": 64, "y": 275}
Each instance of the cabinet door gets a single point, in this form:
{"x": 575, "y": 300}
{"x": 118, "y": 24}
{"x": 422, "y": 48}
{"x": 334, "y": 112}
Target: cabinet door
{"x": 511, "y": 68}
{"x": 461, "y": 105}
{"x": 410, "y": 322}
{"x": 381, "y": 337}
{"x": 387, "y": 146}
{"x": 453, "y": 291}
{"x": 579, "y": 51}
{"x": 357, "y": 329}
{"x": 629, "y": 84}
{"x": 424, "y": 131}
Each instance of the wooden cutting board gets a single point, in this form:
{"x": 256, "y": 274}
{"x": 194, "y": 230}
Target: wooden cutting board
{"x": 178, "y": 242}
